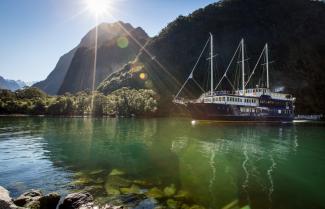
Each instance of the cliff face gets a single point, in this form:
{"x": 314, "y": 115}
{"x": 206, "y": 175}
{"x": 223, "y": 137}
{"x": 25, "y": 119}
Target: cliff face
{"x": 118, "y": 44}
{"x": 74, "y": 70}
{"x": 294, "y": 30}
{"x": 54, "y": 80}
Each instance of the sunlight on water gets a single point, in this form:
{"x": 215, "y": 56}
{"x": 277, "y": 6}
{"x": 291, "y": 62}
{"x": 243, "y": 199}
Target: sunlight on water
{"x": 214, "y": 166}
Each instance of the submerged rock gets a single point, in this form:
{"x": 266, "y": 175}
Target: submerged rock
{"x": 96, "y": 172}
{"x": 134, "y": 189}
{"x": 142, "y": 183}
{"x": 173, "y": 204}
{"x": 155, "y": 193}
{"x": 170, "y": 191}
{"x": 182, "y": 195}
{"x": 116, "y": 172}
{"x": 114, "y": 183}
{"x": 112, "y": 191}
{"x": 129, "y": 200}
{"x": 81, "y": 181}
{"x": 75, "y": 200}
{"x": 117, "y": 181}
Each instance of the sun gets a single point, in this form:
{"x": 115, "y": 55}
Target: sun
{"x": 98, "y": 7}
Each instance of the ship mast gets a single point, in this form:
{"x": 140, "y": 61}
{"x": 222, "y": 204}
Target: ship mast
{"x": 267, "y": 66}
{"x": 243, "y": 65}
{"x": 211, "y": 61}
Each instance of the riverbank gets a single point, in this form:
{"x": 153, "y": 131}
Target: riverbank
{"x": 35, "y": 199}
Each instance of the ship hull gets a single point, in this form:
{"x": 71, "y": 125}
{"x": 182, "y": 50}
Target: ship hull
{"x": 222, "y": 112}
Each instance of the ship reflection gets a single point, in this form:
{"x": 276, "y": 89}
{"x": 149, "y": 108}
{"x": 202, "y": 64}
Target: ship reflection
{"x": 223, "y": 163}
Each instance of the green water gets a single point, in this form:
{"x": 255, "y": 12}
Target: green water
{"x": 263, "y": 166}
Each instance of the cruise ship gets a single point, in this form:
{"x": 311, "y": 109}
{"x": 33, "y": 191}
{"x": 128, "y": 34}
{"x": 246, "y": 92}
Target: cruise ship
{"x": 260, "y": 104}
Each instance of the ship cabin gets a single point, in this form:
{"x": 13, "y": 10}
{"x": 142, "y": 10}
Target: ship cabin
{"x": 249, "y": 97}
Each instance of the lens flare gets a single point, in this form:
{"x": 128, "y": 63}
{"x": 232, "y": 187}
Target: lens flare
{"x": 143, "y": 76}
{"x": 122, "y": 42}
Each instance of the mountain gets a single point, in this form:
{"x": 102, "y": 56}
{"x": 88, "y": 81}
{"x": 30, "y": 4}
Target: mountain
{"x": 118, "y": 43}
{"x": 294, "y": 30}
{"x": 53, "y": 82}
{"x": 11, "y": 84}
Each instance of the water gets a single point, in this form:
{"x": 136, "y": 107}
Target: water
{"x": 263, "y": 166}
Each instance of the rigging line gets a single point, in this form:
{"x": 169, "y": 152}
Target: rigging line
{"x": 198, "y": 85}
{"x": 224, "y": 75}
{"x": 191, "y": 74}
{"x": 231, "y": 84}
{"x": 258, "y": 61}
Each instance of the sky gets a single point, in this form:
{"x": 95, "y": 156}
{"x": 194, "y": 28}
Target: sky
{"x": 34, "y": 34}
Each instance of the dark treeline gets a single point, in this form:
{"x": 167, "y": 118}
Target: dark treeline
{"x": 123, "y": 102}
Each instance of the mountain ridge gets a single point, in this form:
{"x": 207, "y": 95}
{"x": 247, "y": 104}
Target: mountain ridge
{"x": 12, "y": 85}
{"x": 75, "y": 66}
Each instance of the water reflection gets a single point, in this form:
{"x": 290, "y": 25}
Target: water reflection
{"x": 217, "y": 164}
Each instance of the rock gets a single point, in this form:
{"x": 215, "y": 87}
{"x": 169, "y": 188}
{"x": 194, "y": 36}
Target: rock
{"x": 170, "y": 191}
{"x": 49, "y": 201}
{"x": 155, "y": 193}
{"x": 4, "y": 195}
{"x": 75, "y": 200}
{"x": 33, "y": 204}
{"x": 29, "y": 199}
{"x": 6, "y": 201}
{"x": 116, "y": 172}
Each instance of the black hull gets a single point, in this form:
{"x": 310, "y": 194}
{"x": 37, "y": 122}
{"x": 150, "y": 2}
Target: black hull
{"x": 222, "y": 112}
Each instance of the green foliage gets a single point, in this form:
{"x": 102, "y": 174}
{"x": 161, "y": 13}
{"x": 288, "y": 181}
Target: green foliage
{"x": 30, "y": 93}
{"x": 124, "y": 102}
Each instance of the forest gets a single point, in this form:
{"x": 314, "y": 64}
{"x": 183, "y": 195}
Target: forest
{"x": 121, "y": 103}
